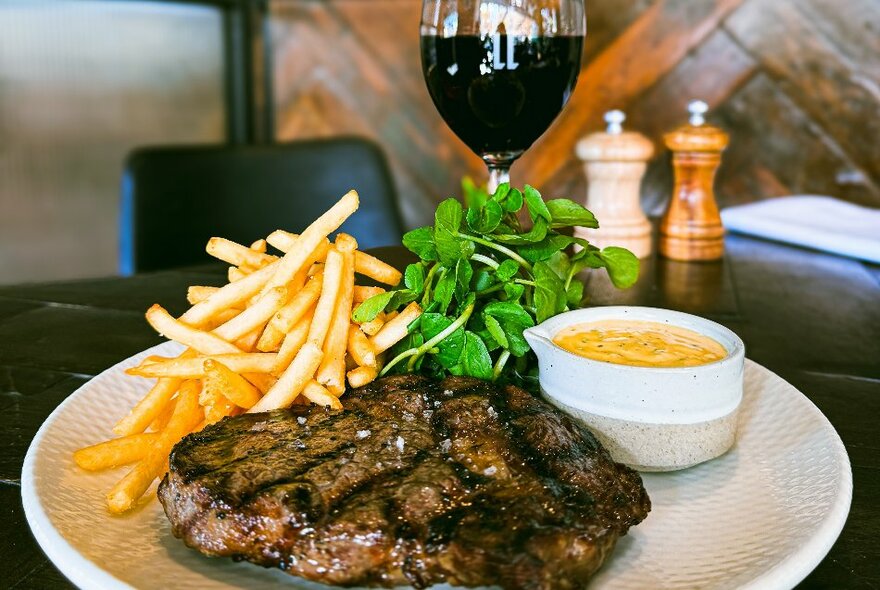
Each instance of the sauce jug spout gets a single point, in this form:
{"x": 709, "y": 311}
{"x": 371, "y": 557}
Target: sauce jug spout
{"x": 539, "y": 339}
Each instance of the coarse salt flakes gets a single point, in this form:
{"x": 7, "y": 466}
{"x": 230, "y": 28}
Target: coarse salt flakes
{"x": 363, "y": 434}
{"x": 400, "y": 443}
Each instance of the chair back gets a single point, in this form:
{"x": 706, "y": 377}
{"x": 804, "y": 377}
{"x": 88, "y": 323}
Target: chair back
{"x": 175, "y": 198}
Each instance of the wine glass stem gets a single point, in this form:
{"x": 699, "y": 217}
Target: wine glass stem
{"x": 498, "y": 175}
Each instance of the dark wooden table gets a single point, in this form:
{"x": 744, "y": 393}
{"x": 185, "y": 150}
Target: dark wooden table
{"x": 810, "y": 317}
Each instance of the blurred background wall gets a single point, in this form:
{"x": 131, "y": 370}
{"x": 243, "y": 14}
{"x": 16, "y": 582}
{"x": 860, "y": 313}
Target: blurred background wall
{"x": 82, "y": 82}
{"x": 797, "y": 82}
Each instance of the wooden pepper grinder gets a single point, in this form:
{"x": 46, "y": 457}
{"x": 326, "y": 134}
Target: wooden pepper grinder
{"x": 615, "y": 162}
{"x": 691, "y": 228}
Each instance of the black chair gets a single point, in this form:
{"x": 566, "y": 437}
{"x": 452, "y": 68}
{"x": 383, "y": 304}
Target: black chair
{"x": 175, "y": 198}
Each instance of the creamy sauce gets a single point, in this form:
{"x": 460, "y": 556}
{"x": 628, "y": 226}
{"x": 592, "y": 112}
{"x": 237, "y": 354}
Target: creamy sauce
{"x": 640, "y": 344}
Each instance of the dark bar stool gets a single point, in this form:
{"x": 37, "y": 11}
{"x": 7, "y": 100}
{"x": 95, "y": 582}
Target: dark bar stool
{"x": 175, "y": 198}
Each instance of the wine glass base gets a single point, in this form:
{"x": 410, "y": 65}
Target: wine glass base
{"x": 501, "y": 159}
{"x": 499, "y": 164}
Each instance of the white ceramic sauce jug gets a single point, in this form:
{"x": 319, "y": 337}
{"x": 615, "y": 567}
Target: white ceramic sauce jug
{"x": 651, "y": 418}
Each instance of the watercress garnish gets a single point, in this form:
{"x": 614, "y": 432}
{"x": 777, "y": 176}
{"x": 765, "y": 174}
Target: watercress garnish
{"x": 482, "y": 279}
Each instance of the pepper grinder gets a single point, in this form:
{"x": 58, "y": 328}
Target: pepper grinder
{"x": 615, "y": 162}
{"x": 691, "y": 228}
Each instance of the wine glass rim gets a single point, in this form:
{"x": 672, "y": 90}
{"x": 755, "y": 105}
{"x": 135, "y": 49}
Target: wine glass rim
{"x": 441, "y": 18}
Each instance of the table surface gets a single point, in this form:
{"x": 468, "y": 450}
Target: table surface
{"x": 812, "y": 318}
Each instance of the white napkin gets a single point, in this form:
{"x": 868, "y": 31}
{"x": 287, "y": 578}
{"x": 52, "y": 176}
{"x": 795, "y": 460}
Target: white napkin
{"x": 822, "y": 223}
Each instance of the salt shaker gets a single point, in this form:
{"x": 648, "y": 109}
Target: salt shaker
{"x": 691, "y": 228}
{"x": 614, "y": 162}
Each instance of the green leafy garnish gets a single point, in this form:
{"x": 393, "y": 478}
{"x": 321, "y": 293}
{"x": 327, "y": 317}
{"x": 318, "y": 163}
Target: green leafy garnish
{"x": 618, "y": 262}
{"x": 566, "y": 213}
{"x": 482, "y": 279}
{"x": 369, "y": 309}
{"x": 421, "y": 242}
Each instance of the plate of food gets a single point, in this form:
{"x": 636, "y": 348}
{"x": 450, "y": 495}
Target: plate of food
{"x": 363, "y": 436}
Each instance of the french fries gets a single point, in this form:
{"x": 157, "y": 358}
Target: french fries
{"x": 161, "y": 421}
{"x": 361, "y": 294}
{"x": 221, "y": 381}
{"x": 292, "y": 381}
{"x": 362, "y": 375}
{"x": 293, "y": 341}
{"x": 318, "y": 394}
{"x": 230, "y": 295}
{"x": 203, "y": 342}
{"x": 198, "y": 293}
{"x": 222, "y": 317}
{"x": 143, "y": 414}
{"x": 372, "y": 267}
{"x": 282, "y": 240}
{"x": 395, "y": 329}
{"x": 286, "y": 317}
{"x": 248, "y": 342}
{"x": 218, "y": 410}
{"x": 327, "y": 301}
{"x": 331, "y": 373}
{"x": 372, "y": 327}
{"x": 278, "y": 333}
{"x": 360, "y": 349}
{"x": 235, "y": 274}
{"x": 193, "y": 368}
{"x": 254, "y": 317}
{"x": 236, "y": 254}
{"x": 366, "y": 265}
{"x": 297, "y": 257}
{"x": 115, "y": 452}
{"x": 187, "y": 415}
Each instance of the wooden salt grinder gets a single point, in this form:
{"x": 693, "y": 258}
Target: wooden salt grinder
{"x": 615, "y": 162}
{"x": 691, "y": 228}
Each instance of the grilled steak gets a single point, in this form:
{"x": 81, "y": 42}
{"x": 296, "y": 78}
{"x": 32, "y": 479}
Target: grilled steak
{"x": 415, "y": 482}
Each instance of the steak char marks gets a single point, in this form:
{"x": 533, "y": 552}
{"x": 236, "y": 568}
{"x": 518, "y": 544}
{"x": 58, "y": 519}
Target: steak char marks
{"x": 415, "y": 482}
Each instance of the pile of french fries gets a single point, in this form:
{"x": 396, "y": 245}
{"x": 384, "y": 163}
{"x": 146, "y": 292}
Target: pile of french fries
{"x": 280, "y": 332}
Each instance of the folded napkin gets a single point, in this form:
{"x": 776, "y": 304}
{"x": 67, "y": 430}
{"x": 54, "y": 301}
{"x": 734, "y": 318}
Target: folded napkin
{"x": 822, "y": 223}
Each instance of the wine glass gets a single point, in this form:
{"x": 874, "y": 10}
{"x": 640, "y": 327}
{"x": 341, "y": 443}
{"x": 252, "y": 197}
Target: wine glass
{"x": 500, "y": 71}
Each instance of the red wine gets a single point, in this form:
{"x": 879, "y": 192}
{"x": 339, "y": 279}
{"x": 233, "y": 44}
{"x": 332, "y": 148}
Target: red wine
{"x": 499, "y": 93}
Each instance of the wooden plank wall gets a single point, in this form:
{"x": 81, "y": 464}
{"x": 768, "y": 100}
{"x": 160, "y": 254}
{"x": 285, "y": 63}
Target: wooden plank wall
{"x": 796, "y": 82}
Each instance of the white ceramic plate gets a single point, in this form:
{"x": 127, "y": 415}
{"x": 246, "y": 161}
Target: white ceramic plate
{"x": 762, "y": 516}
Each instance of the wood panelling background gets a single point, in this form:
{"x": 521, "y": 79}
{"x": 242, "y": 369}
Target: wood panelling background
{"x": 795, "y": 82}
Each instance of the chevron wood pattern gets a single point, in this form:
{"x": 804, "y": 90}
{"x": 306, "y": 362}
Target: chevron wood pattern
{"x": 795, "y": 82}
